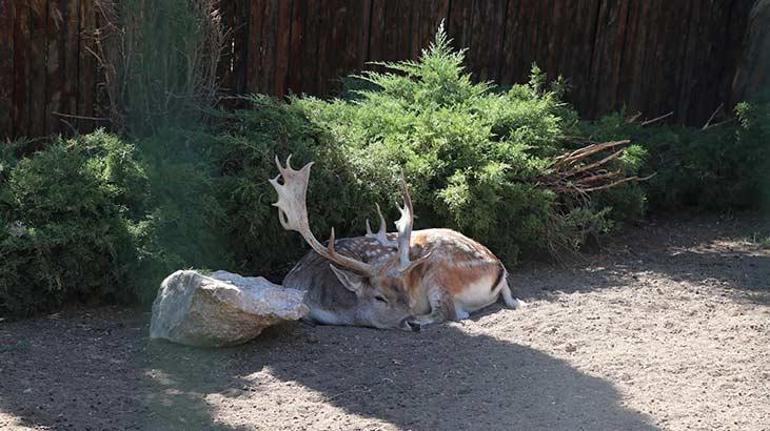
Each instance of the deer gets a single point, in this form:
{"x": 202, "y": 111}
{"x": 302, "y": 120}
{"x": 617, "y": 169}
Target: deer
{"x": 388, "y": 280}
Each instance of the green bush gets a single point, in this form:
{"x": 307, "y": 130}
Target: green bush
{"x": 97, "y": 219}
{"x": 471, "y": 152}
{"x": 752, "y": 142}
{"x": 720, "y": 168}
{"x": 246, "y": 149}
{"x": 67, "y": 223}
{"x": 184, "y": 225}
{"x": 94, "y": 219}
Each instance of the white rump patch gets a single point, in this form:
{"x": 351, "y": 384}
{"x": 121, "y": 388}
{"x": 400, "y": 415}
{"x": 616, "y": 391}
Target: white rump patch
{"x": 478, "y": 294}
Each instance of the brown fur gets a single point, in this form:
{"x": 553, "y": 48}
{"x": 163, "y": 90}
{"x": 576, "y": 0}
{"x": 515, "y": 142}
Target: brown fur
{"x": 430, "y": 289}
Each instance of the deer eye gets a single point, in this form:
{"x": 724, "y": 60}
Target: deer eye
{"x": 381, "y": 299}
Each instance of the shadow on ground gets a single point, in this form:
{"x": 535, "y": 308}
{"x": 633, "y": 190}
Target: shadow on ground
{"x": 711, "y": 252}
{"x": 99, "y": 372}
{"x": 96, "y": 369}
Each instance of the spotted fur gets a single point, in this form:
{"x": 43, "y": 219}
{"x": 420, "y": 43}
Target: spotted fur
{"x": 458, "y": 276}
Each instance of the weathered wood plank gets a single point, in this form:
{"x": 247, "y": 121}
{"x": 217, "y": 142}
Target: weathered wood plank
{"x": 71, "y": 50}
{"x": 21, "y": 63}
{"x": 580, "y": 77}
{"x": 636, "y": 65}
{"x": 626, "y": 62}
{"x": 459, "y": 24}
{"x": 430, "y": 16}
{"x": 87, "y": 67}
{"x": 109, "y": 44}
{"x": 652, "y": 60}
{"x": 535, "y": 31}
{"x": 510, "y": 39}
{"x": 491, "y": 18}
{"x": 310, "y": 57}
{"x": 609, "y": 42}
{"x": 528, "y": 47}
{"x": 364, "y": 32}
{"x": 543, "y": 33}
{"x": 402, "y": 27}
{"x": 269, "y": 35}
{"x": 38, "y": 13}
{"x": 620, "y": 18}
{"x": 342, "y": 39}
{"x": 360, "y": 27}
{"x": 751, "y": 70}
{"x": 669, "y": 76}
{"x": 351, "y": 25}
{"x": 225, "y": 66}
{"x": 54, "y": 66}
{"x": 391, "y": 20}
{"x": 724, "y": 41}
{"x": 652, "y": 56}
{"x": 376, "y": 31}
{"x": 282, "y": 47}
{"x": 294, "y": 79}
{"x": 240, "y": 57}
{"x": 325, "y": 51}
{"x": 256, "y": 48}
{"x": 415, "y": 21}
{"x": 556, "y": 42}
{"x": 7, "y": 17}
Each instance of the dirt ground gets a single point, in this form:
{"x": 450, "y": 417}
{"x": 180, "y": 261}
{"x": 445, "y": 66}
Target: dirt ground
{"x": 667, "y": 328}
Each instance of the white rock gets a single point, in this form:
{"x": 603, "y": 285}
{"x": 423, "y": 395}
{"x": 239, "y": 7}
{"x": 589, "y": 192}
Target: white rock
{"x": 222, "y": 309}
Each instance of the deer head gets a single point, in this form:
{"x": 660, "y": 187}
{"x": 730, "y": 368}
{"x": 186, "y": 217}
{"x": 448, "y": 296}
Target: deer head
{"x": 381, "y": 285}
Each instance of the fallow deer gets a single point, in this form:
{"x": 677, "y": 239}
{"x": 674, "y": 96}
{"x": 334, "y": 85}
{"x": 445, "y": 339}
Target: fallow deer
{"x": 388, "y": 280}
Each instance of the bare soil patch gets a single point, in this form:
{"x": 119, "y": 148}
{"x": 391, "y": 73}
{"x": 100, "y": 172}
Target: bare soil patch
{"x": 668, "y": 328}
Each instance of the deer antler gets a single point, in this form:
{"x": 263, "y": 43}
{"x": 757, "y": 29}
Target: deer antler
{"x": 404, "y": 225}
{"x": 292, "y": 213}
{"x": 381, "y": 235}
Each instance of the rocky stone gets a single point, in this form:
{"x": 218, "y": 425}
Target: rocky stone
{"x": 220, "y": 309}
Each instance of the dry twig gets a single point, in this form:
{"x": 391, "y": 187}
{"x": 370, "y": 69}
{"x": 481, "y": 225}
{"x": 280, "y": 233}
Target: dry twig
{"x": 579, "y": 173}
{"x": 656, "y": 119}
{"x": 713, "y": 114}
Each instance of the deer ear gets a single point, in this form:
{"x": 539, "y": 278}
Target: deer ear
{"x": 417, "y": 262}
{"x": 353, "y": 282}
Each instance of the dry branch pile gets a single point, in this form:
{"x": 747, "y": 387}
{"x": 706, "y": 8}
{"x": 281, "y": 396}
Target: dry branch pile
{"x": 588, "y": 169}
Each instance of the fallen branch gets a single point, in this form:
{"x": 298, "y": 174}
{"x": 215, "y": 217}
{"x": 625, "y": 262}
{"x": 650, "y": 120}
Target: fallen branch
{"x": 656, "y": 119}
{"x": 595, "y": 165}
{"x": 586, "y": 151}
{"x": 579, "y": 173}
{"x": 80, "y": 117}
{"x": 714, "y": 114}
{"x": 633, "y": 118}
{"x": 721, "y": 123}
{"x": 602, "y": 177}
{"x": 624, "y": 180}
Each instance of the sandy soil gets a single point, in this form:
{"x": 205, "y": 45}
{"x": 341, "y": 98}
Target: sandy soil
{"x": 668, "y": 328}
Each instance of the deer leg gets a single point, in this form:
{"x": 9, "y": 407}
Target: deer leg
{"x": 509, "y": 299}
{"x": 442, "y": 308}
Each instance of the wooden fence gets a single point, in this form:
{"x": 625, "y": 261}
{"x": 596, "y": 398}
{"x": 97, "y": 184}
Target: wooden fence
{"x": 652, "y": 56}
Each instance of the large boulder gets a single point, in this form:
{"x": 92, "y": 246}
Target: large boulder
{"x": 221, "y": 309}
